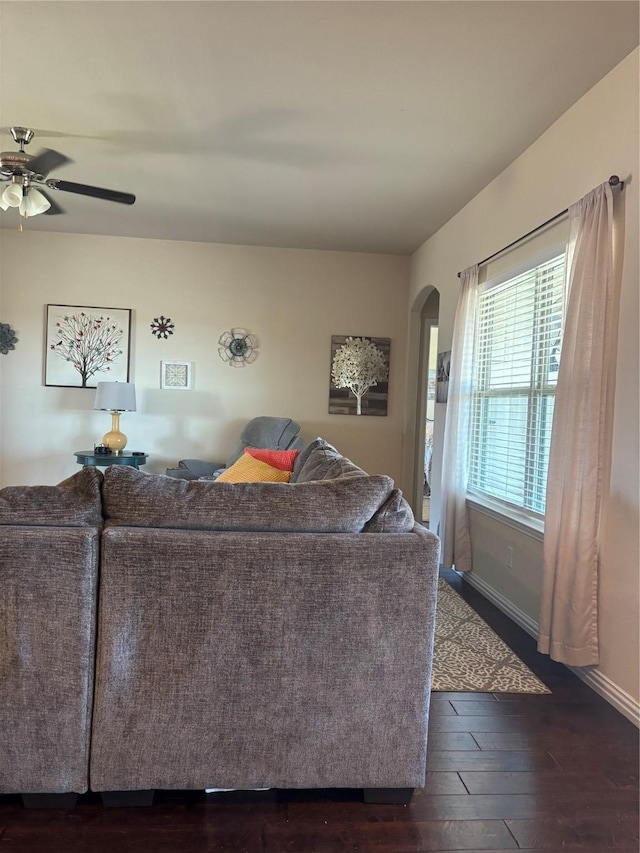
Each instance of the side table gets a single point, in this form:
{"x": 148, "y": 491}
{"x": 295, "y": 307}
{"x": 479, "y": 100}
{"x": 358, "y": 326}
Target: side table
{"x": 88, "y": 457}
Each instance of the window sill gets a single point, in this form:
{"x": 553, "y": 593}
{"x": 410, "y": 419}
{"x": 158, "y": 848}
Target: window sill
{"x": 520, "y": 521}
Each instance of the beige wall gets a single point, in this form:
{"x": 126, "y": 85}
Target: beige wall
{"x": 597, "y": 137}
{"x": 292, "y": 300}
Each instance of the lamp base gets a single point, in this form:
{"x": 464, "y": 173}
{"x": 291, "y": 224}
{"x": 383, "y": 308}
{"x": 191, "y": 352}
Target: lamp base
{"x": 114, "y": 439}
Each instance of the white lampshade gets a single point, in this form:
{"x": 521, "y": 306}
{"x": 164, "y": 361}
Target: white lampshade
{"x": 12, "y": 196}
{"x": 115, "y": 397}
{"x": 33, "y": 203}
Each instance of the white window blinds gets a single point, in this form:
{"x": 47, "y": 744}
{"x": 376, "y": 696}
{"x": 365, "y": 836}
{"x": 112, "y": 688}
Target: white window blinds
{"x": 516, "y": 357}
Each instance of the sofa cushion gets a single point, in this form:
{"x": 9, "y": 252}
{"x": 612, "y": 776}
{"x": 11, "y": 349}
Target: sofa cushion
{"x": 136, "y": 499}
{"x": 321, "y": 461}
{"x": 75, "y": 502}
{"x": 394, "y": 516}
{"x": 282, "y": 459}
{"x": 246, "y": 469}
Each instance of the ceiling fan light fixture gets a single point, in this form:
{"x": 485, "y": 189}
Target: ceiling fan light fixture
{"x": 12, "y": 196}
{"x": 33, "y": 202}
{"x": 24, "y": 171}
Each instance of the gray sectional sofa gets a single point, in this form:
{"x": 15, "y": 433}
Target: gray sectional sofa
{"x": 252, "y": 635}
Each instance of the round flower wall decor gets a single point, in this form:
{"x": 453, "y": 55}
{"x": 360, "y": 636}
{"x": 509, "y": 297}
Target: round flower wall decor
{"x": 8, "y": 338}
{"x": 162, "y": 327}
{"x": 238, "y": 347}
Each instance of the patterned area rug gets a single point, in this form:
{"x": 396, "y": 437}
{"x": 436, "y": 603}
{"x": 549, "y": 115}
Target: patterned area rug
{"x": 469, "y": 655}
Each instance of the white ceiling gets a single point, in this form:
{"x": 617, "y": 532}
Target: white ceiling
{"x": 340, "y": 125}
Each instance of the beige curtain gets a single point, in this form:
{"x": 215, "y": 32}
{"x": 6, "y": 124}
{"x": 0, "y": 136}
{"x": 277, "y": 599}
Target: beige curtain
{"x": 569, "y": 606}
{"x": 454, "y": 526}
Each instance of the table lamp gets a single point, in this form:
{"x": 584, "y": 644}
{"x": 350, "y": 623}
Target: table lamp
{"x": 115, "y": 397}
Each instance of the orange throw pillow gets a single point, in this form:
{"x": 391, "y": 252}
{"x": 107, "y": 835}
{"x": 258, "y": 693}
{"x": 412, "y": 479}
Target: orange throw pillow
{"x": 282, "y": 459}
{"x": 250, "y": 470}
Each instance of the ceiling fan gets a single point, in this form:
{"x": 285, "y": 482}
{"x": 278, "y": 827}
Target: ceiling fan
{"x": 25, "y": 175}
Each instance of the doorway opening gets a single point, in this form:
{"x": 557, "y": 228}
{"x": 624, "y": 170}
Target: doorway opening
{"x": 430, "y": 414}
{"x": 427, "y": 407}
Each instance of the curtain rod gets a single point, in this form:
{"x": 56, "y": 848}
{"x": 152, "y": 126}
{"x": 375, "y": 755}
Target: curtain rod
{"x": 614, "y": 181}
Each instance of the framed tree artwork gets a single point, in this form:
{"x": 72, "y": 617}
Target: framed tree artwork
{"x": 85, "y": 345}
{"x": 359, "y": 378}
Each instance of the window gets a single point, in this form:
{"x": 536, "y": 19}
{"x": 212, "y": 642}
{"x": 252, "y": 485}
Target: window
{"x": 515, "y": 368}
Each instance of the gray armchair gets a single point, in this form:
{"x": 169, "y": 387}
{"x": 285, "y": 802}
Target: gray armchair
{"x": 263, "y": 432}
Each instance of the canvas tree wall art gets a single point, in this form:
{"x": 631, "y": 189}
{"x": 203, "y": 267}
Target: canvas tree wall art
{"x": 359, "y": 382}
{"x": 85, "y": 345}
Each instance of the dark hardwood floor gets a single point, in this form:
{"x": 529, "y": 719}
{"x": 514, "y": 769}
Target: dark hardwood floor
{"x": 556, "y": 772}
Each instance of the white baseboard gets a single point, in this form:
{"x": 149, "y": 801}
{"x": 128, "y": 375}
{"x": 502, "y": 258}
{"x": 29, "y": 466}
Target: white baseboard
{"x": 610, "y": 691}
{"x": 519, "y": 616}
{"x": 603, "y": 686}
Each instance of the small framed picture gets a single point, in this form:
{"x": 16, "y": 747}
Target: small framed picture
{"x": 176, "y": 375}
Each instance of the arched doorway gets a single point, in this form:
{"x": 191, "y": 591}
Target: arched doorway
{"x": 426, "y": 402}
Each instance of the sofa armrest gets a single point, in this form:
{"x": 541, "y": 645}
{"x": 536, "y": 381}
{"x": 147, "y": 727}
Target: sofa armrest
{"x": 194, "y": 469}
{"x": 48, "y": 594}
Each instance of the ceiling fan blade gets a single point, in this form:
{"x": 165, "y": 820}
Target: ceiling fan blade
{"x": 47, "y": 160}
{"x": 55, "y": 208}
{"x": 44, "y": 132}
{"x": 95, "y": 192}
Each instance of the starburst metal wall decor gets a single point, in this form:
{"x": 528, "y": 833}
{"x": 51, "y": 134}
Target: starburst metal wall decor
{"x": 238, "y": 347}
{"x": 8, "y": 338}
{"x": 162, "y": 327}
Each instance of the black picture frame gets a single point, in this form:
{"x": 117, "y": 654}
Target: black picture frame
{"x": 86, "y": 344}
